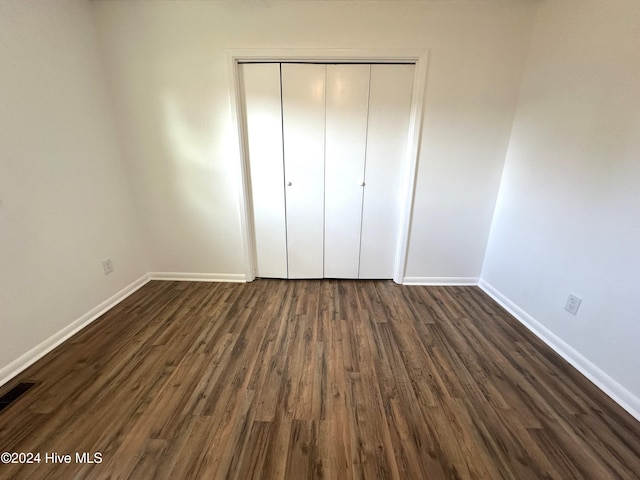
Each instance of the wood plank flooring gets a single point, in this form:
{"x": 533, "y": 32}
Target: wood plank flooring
{"x": 314, "y": 379}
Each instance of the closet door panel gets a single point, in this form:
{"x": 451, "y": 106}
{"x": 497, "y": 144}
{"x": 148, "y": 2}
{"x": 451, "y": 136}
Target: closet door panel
{"x": 303, "y": 111}
{"x": 389, "y": 112}
{"x": 261, "y": 84}
{"x": 346, "y": 138}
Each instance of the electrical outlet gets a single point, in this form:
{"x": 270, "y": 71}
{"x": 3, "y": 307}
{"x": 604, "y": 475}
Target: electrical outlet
{"x": 107, "y": 265}
{"x": 573, "y": 304}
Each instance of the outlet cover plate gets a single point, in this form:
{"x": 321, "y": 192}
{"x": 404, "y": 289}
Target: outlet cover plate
{"x": 573, "y": 304}
{"x": 107, "y": 266}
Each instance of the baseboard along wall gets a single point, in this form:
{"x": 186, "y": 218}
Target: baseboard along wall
{"x": 440, "y": 281}
{"x": 39, "y": 351}
{"x": 198, "y": 277}
{"x": 600, "y": 379}
{"x": 613, "y": 389}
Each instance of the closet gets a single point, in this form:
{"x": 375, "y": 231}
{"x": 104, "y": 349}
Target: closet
{"x": 327, "y": 155}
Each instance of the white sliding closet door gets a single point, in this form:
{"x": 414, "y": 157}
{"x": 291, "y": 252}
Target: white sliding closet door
{"x": 264, "y": 138}
{"x": 389, "y": 111}
{"x": 303, "y": 124}
{"x": 346, "y": 140}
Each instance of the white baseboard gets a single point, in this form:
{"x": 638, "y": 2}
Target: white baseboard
{"x": 440, "y": 281}
{"x": 604, "y": 382}
{"x": 39, "y": 351}
{"x": 199, "y": 277}
{"x": 609, "y": 386}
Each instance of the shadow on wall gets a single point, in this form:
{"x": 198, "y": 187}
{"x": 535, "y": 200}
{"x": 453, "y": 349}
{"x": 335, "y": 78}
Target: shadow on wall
{"x": 198, "y": 155}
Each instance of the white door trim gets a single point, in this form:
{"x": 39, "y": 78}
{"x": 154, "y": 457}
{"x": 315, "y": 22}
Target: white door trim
{"x": 419, "y": 57}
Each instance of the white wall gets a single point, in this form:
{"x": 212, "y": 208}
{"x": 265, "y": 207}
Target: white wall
{"x": 167, "y": 70}
{"x": 65, "y": 201}
{"x": 568, "y": 214}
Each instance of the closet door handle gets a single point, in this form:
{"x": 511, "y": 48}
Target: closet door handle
{"x": 362, "y": 184}
{"x": 289, "y": 184}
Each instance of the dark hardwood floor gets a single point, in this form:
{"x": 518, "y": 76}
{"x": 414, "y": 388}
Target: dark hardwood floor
{"x": 314, "y": 379}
